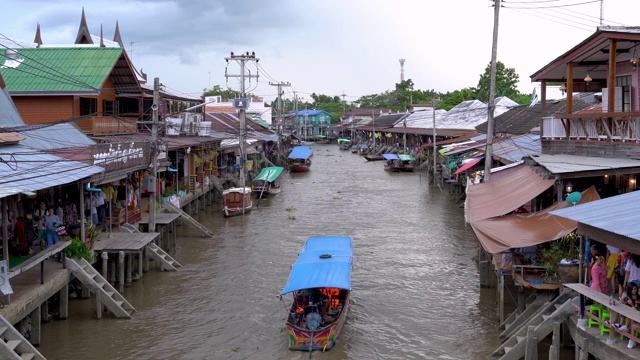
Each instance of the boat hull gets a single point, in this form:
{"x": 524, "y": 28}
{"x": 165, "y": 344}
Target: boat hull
{"x": 263, "y": 192}
{"x": 229, "y": 212}
{"x": 323, "y": 339}
{"x": 299, "y": 168}
{"x": 374, "y": 157}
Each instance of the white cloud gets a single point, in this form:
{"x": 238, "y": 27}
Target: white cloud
{"x": 324, "y": 46}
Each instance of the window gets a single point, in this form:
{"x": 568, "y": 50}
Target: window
{"x": 624, "y": 82}
{"x": 88, "y": 106}
{"x": 107, "y": 108}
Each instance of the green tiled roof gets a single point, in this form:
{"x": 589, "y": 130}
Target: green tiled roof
{"x": 59, "y": 69}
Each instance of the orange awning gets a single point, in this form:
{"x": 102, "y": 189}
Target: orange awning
{"x": 504, "y": 193}
{"x": 521, "y": 230}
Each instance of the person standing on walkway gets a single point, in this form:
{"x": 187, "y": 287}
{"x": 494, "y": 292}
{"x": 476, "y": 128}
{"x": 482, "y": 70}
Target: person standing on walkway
{"x": 100, "y": 199}
{"x": 599, "y": 275}
{"x": 52, "y": 221}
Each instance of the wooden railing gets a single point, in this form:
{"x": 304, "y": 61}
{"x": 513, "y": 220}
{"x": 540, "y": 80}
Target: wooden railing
{"x": 107, "y": 125}
{"x": 618, "y": 127}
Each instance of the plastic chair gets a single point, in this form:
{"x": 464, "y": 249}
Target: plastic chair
{"x": 606, "y": 315}
{"x": 594, "y": 309}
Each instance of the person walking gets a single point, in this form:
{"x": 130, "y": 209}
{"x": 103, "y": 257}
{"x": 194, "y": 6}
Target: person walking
{"x": 52, "y": 221}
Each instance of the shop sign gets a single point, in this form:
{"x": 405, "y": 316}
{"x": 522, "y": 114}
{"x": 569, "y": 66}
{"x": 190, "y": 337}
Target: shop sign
{"x": 115, "y": 156}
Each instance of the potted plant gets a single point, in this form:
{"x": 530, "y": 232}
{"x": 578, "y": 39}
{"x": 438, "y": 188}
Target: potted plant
{"x": 563, "y": 257}
{"x": 79, "y": 250}
{"x": 168, "y": 192}
{"x": 91, "y": 235}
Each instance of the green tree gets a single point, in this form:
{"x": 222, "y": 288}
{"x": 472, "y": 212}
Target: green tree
{"x": 451, "y": 99}
{"x": 506, "y": 83}
{"x": 227, "y": 94}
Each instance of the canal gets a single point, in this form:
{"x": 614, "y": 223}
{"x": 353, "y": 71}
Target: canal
{"x": 415, "y": 283}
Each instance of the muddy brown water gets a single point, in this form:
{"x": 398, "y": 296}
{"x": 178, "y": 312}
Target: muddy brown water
{"x": 415, "y": 285}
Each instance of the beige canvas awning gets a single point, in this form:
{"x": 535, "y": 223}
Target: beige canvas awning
{"x": 501, "y": 233}
{"x": 507, "y": 191}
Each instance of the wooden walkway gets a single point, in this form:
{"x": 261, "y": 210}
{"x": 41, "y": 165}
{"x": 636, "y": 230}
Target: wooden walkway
{"x": 167, "y": 224}
{"x": 29, "y": 293}
{"x": 121, "y": 241}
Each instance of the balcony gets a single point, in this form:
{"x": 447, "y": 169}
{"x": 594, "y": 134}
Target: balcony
{"x": 105, "y": 125}
{"x": 614, "y": 134}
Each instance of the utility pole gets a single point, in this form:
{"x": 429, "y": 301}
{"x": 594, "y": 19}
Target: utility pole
{"x": 295, "y": 110}
{"x": 154, "y": 155}
{"x": 488, "y": 155}
{"x": 433, "y": 107}
{"x": 279, "y": 117}
{"x": 242, "y": 104}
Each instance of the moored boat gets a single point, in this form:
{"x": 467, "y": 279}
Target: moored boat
{"x": 345, "y": 144}
{"x": 320, "y": 282}
{"x": 266, "y": 183}
{"x": 399, "y": 163}
{"x": 237, "y": 201}
{"x": 374, "y": 157}
{"x": 299, "y": 159}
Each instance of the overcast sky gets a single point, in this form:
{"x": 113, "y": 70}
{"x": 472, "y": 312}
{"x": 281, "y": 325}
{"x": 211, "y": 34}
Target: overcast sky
{"x": 330, "y": 47}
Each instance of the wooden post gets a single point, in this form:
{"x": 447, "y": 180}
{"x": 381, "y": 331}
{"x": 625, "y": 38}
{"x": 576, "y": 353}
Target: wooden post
{"x": 112, "y": 272}
{"x": 140, "y": 263}
{"x": 129, "y": 268}
{"x": 531, "y": 350}
{"x": 64, "y": 302}
{"x": 554, "y": 349}
{"x": 146, "y": 259}
{"x": 584, "y": 354}
{"x": 501, "y": 299}
{"x": 36, "y": 326}
{"x": 121, "y": 270}
{"x": 98, "y": 305}
{"x": 44, "y": 312}
{"x": 105, "y": 265}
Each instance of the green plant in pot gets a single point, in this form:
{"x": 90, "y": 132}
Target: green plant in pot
{"x": 78, "y": 249}
{"x": 169, "y": 191}
{"x": 562, "y": 257}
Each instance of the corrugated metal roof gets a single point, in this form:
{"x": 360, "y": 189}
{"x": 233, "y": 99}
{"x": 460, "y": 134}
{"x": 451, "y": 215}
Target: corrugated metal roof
{"x": 422, "y": 119}
{"x": 563, "y": 164}
{"x": 9, "y": 116}
{"x": 523, "y": 118}
{"x": 614, "y": 214}
{"x": 60, "y": 69}
{"x": 471, "y": 113}
{"x": 25, "y": 170}
{"x": 59, "y": 136}
{"x": 517, "y": 147}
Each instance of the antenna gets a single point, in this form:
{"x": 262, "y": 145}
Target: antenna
{"x": 131, "y": 49}
{"x": 402, "y": 70}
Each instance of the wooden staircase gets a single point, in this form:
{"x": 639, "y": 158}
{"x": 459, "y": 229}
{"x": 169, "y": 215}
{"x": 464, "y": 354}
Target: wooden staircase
{"x": 98, "y": 285}
{"x": 166, "y": 261}
{"x": 533, "y": 305}
{"x": 14, "y": 345}
{"x": 191, "y": 222}
{"x": 539, "y": 324}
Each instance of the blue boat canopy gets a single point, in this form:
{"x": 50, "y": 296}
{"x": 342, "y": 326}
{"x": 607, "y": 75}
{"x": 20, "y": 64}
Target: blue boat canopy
{"x": 301, "y": 152}
{"x": 325, "y": 261}
{"x": 390, "y": 156}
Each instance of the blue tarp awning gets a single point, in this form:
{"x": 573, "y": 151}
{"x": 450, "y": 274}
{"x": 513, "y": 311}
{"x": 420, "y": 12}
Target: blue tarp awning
{"x": 391, "y": 156}
{"x": 301, "y": 152}
{"x": 315, "y": 269}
